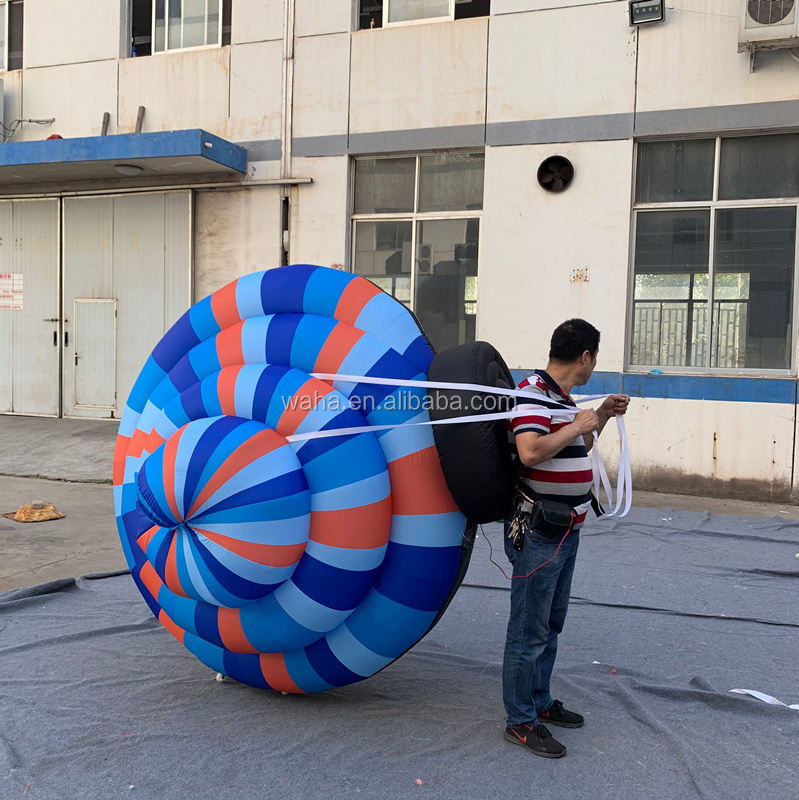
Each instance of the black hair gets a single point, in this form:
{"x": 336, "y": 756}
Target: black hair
{"x": 571, "y": 339}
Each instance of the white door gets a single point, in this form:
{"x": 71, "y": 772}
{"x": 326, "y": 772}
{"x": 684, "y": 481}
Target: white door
{"x": 95, "y": 326}
{"x": 131, "y": 256}
{"x": 29, "y": 307}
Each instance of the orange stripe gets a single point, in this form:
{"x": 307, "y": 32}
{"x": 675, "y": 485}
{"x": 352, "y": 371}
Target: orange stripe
{"x": 338, "y": 345}
{"x": 231, "y": 632}
{"x": 146, "y": 537}
{"x": 120, "y": 454}
{"x": 358, "y": 528}
{"x": 357, "y": 294}
{"x": 228, "y": 346}
{"x": 256, "y": 446}
{"x": 154, "y": 441}
{"x": 304, "y": 400}
{"x": 223, "y": 304}
{"x": 170, "y": 454}
{"x": 270, "y": 555}
{"x": 149, "y": 577}
{"x": 171, "y": 569}
{"x": 174, "y": 629}
{"x": 418, "y": 485}
{"x": 273, "y": 666}
{"x": 226, "y": 390}
{"x": 137, "y": 443}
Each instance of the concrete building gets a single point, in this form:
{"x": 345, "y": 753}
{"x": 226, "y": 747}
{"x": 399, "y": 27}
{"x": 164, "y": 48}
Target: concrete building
{"x": 412, "y": 141}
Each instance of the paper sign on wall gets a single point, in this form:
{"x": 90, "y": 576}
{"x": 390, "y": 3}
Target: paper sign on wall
{"x": 10, "y": 291}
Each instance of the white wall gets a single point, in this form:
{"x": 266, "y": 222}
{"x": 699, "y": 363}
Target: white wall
{"x": 691, "y": 60}
{"x": 561, "y": 62}
{"x": 235, "y": 232}
{"x": 59, "y": 32}
{"x": 533, "y": 240}
{"x": 418, "y": 76}
{"x": 319, "y": 213}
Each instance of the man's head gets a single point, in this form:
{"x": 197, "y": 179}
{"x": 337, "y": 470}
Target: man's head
{"x": 575, "y": 343}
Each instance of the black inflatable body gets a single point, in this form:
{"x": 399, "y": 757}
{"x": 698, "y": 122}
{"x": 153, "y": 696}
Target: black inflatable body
{"x": 476, "y": 457}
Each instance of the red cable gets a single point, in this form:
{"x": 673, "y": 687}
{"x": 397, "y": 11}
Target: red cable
{"x": 516, "y": 577}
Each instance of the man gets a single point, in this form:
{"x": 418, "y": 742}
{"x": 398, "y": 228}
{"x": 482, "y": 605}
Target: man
{"x": 553, "y": 450}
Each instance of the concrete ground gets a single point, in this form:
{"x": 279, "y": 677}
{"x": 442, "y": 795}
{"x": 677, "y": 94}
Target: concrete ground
{"x": 68, "y": 463}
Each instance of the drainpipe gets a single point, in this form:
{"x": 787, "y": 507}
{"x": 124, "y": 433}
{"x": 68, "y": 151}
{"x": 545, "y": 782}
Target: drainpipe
{"x": 286, "y": 126}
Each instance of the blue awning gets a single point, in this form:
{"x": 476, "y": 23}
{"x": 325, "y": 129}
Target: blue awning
{"x": 158, "y": 155}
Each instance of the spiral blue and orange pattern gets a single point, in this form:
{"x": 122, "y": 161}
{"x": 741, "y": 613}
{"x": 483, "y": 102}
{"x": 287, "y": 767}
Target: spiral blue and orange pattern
{"x": 302, "y": 565}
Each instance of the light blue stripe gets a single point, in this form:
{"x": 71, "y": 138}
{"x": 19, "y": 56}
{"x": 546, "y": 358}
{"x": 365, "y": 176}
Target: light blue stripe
{"x": 293, "y": 530}
{"x": 224, "y": 597}
{"x": 360, "y": 493}
{"x": 365, "y": 353}
{"x": 253, "y": 339}
{"x": 346, "y": 558}
{"x": 196, "y": 581}
{"x": 353, "y": 654}
{"x": 186, "y": 447}
{"x": 208, "y": 654}
{"x": 244, "y": 568}
{"x": 428, "y": 530}
{"x": 204, "y": 359}
{"x": 303, "y": 674}
{"x": 248, "y": 295}
{"x": 400, "y": 442}
{"x": 307, "y": 612}
{"x": 244, "y": 390}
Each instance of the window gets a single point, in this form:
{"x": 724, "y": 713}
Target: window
{"x": 11, "y": 34}
{"x": 376, "y": 13}
{"x": 160, "y": 25}
{"x": 416, "y": 234}
{"x": 715, "y": 254}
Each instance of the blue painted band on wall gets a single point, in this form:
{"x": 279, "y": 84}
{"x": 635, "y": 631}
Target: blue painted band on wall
{"x": 688, "y": 387}
{"x": 126, "y": 146}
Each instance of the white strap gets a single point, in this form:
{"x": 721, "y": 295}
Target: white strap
{"x": 624, "y": 485}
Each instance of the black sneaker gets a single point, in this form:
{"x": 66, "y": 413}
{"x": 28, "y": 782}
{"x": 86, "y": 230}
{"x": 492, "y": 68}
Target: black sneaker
{"x": 558, "y": 715}
{"x": 537, "y": 739}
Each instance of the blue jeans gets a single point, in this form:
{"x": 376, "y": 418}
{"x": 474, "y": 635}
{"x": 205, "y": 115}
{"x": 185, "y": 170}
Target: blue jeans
{"x": 538, "y": 606}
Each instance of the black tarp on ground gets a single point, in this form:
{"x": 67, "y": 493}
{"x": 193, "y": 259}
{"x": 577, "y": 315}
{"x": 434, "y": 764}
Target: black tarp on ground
{"x": 670, "y": 611}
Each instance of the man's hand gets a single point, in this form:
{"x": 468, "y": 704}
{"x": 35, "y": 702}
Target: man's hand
{"x": 614, "y": 404}
{"x": 586, "y": 421}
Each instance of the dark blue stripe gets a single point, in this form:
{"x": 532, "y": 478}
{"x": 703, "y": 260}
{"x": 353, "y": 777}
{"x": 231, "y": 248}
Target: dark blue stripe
{"x": 419, "y": 353}
{"x": 265, "y": 389}
{"x": 245, "y": 668}
{"x": 390, "y": 365}
{"x": 332, "y": 587}
{"x": 192, "y": 402}
{"x": 313, "y": 448}
{"x": 419, "y": 577}
{"x": 686, "y": 387}
{"x": 177, "y": 341}
{"x": 183, "y": 375}
{"x": 145, "y": 592}
{"x": 328, "y": 667}
{"x": 163, "y": 551}
{"x": 283, "y": 289}
{"x": 279, "y": 487}
{"x": 280, "y": 337}
{"x": 206, "y": 623}
{"x": 235, "y": 584}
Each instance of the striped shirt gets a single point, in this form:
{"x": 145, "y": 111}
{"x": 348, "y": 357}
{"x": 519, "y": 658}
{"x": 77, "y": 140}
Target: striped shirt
{"x": 567, "y": 476}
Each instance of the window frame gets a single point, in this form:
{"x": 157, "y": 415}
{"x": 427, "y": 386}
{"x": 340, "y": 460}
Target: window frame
{"x": 713, "y": 205}
{"x": 129, "y": 44}
{"x": 414, "y": 217}
{"x": 450, "y": 16}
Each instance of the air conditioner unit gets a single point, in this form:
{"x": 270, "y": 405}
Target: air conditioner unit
{"x": 768, "y": 24}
